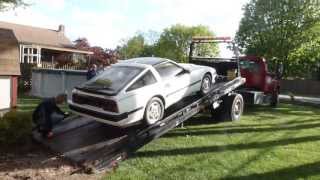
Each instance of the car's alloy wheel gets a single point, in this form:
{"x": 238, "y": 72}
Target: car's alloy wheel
{"x": 205, "y": 84}
{"x": 154, "y": 111}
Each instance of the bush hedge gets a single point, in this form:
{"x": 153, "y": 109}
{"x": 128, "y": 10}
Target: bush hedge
{"x": 15, "y": 127}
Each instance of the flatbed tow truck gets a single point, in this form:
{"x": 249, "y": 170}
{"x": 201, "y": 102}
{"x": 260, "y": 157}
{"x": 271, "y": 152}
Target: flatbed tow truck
{"x": 97, "y": 147}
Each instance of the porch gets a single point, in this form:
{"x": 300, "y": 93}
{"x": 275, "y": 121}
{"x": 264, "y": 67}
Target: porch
{"x": 50, "y": 57}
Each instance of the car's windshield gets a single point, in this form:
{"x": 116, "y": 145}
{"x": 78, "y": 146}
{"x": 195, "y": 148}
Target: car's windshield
{"x": 113, "y": 78}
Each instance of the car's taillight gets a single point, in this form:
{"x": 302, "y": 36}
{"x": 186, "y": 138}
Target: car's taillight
{"x": 110, "y": 105}
{"x": 106, "y": 104}
{"x": 77, "y": 99}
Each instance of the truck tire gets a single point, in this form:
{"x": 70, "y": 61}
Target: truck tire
{"x": 232, "y": 108}
{"x": 274, "y": 100}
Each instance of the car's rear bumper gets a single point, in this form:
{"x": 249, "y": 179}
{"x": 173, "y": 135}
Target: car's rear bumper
{"x": 121, "y": 120}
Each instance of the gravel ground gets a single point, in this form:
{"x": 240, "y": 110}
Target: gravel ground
{"x": 32, "y": 161}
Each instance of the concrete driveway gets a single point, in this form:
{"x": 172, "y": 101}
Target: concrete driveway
{"x": 301, "y": 100}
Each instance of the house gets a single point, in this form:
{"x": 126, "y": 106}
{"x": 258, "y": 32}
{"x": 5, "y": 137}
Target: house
{"x": 25, "y": 46}
{"x": 41, "y": 46}
{"x": 9, "y": 69}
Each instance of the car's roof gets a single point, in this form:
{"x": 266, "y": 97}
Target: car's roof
{"x": 146, "y": 60}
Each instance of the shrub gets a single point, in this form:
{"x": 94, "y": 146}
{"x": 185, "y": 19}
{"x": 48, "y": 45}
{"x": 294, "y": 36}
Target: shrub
{"x": 15, "y": 127}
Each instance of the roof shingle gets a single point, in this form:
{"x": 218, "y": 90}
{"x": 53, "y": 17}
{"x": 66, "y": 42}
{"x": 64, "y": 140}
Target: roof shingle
{"x": 39, "y": 36}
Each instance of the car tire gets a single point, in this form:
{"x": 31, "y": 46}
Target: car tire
{"x": 206, "y": 84}
{"x": 154, "y": 111}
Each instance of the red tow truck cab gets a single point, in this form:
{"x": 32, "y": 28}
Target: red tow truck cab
{"x": 262, "y": 86}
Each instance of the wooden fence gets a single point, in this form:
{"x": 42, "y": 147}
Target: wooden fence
{"x": 301, "y": 87}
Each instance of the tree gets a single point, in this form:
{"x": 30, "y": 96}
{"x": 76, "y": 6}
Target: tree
{"x": 274, "y": 28}
{"x": 174, "y": 42}
{"x": 305, "y": 60}
{"x": 100, "y": 56}
{"x": 133, "y": 47}
{"x": 82, "y": 43}
{"x": 9, "y": 4}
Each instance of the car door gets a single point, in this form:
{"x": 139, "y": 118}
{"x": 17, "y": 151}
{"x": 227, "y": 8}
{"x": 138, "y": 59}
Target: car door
{"x": 175, "y": 81}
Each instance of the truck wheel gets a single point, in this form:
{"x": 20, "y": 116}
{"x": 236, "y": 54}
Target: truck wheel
{"x": 274, "y": 100}
{"x": 154, "y": 111}
{"x": 233, "y": 107}
{"x": 205, "y": 84}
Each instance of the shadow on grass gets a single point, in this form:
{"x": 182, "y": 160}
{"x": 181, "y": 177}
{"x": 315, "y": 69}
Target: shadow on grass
{"x": 261, "y": 115}
{"x": 297, "y": 172}
{"x": 283, "y": 109}
{"x": 231, "y": 147}
{"x": 197, "y": 132}
{"x": 203, "y": 121}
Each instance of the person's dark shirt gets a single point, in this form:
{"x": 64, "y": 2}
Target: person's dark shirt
{"x": 91, "y": 73}
{"x": 48, "y": 107}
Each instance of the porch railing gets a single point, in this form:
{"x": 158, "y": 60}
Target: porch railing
{"x": 61, "y": 67}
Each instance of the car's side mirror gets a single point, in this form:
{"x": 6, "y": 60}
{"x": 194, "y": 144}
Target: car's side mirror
{"x": 186, "y": 71}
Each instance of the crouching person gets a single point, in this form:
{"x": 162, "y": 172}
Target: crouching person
{"x": 48, "y": 114}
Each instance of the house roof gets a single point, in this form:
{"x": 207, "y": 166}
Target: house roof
{"x": 9, "y": 53}
{"x": 39, "y": 36}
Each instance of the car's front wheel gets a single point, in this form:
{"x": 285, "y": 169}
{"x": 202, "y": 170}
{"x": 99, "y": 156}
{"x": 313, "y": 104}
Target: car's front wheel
{"x": 154, "y": 111}
{"x": 205, "y": 84}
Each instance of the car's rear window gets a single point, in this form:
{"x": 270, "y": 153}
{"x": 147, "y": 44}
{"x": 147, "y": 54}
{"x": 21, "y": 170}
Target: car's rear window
{"x": 113, "y": 78}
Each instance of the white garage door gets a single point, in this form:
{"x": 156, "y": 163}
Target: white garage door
{"x": 5, "y": 92}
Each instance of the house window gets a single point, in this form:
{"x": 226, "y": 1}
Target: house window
{"x": 30, "y": 54}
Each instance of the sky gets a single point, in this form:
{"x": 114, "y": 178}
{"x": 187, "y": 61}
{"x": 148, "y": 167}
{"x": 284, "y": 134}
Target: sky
{"x": 107, "y": 23}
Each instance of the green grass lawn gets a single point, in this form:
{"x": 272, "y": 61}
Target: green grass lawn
{"x": 281, "y": 143}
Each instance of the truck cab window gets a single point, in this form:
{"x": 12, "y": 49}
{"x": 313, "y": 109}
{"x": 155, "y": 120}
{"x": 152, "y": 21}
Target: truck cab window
{"x": 250, "y": 66}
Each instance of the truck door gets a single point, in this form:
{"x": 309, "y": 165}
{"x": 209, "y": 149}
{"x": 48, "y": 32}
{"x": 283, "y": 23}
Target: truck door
{"x": 253, "y": 73}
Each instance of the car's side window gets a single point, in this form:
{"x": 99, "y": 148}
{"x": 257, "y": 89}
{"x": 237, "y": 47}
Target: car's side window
{"x": 145, "y": 80}
{"x": 168, "y": 70}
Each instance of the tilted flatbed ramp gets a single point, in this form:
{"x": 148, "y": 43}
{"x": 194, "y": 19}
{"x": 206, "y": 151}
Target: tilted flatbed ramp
{"x": 98, "y": 146}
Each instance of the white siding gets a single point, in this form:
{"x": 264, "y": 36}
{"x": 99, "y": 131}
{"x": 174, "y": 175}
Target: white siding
{"x": 5, "y": 92}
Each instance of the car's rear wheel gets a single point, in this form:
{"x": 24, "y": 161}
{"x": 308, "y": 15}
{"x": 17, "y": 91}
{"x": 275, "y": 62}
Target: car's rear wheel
{"x": 154, "y": 111}
{"x": 205, "y": 84}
